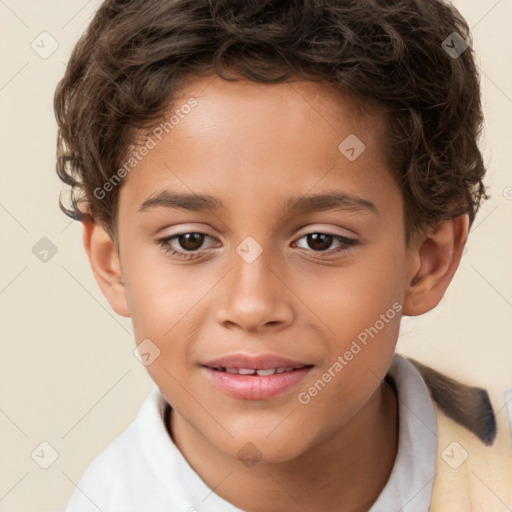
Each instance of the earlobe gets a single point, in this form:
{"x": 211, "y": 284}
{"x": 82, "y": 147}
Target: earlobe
{"x": 105, "y": 265}
{"x": 432, "y": 261}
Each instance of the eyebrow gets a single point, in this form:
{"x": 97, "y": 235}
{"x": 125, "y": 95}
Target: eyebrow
{"x": 301, "y": 204}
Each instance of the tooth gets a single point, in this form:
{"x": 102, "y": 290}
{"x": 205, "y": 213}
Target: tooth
{"x": 231, "y": 370}
{"x": 246, "y": 371}
{"x": 280, "y": 370}
{"x": 270, "y": 371}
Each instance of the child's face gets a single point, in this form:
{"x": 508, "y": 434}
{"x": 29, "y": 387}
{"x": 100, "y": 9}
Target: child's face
{"x": 256, "y": 285}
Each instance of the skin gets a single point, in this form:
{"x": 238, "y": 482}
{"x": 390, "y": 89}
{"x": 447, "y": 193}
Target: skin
{"x": 253, "y": 146}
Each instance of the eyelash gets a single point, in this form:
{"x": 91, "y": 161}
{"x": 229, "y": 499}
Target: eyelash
{"x": 348, "y": 244}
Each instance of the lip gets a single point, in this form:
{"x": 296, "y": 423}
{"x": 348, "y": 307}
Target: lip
{"x": 255, "y": 387}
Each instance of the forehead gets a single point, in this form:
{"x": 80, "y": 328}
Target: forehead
{"x": 260, "y": 109}
{"x": 250, "y": 141}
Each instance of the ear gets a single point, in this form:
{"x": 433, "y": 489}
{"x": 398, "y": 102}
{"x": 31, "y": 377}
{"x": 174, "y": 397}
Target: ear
{"x": 433, "y": 258}
{"x": 105, "y": 265}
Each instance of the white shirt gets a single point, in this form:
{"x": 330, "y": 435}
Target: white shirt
{"x": 143, "y": 470}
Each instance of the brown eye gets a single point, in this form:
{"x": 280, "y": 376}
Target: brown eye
{"x": 319, "y": 241}
{"x": 190, "y": 241}
{"x": 322, "y": 242}
{"x": 184, "y": 245}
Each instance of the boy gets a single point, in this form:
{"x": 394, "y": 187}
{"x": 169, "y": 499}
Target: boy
{"x": 322, "y": 155}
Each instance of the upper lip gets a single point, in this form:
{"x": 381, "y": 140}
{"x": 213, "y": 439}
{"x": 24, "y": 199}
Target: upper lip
{"x": 256, "y": 362}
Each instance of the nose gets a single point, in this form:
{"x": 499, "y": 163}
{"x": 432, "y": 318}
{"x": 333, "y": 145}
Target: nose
{"x": 253, "y": 297}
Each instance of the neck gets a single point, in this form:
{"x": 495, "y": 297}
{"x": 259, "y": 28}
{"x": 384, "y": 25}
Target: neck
{"x": 345, "y": 471}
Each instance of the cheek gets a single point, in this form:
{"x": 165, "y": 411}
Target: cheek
{"x": 353, "y": 297}
{"x": 160, "y": 296}
{"x": 361, "y": 306}
{"x": 359, "y": 357}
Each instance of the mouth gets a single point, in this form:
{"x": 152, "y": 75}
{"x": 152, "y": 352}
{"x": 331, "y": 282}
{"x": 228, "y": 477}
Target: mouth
{"x": 255, "y": 377}
{"x": 258, "y": 372}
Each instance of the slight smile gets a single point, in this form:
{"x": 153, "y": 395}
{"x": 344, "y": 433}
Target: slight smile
{"x": 257, "y": 377}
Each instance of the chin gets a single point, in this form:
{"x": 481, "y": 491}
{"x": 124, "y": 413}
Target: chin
{"x": 252, "y": 449}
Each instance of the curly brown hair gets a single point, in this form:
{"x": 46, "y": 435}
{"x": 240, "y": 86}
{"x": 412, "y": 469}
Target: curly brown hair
{"x": 127, "y": 67}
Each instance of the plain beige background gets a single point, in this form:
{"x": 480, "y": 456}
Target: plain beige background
{"x": 68, "y": 374}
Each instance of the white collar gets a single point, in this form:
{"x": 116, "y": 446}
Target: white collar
{"x": 409, "y": 487}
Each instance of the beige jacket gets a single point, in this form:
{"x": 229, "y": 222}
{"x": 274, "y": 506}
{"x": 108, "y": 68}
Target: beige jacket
{"x": 474, "y": 453}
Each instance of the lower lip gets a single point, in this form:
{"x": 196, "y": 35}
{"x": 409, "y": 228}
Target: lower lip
{"x": 255, "y": 387}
